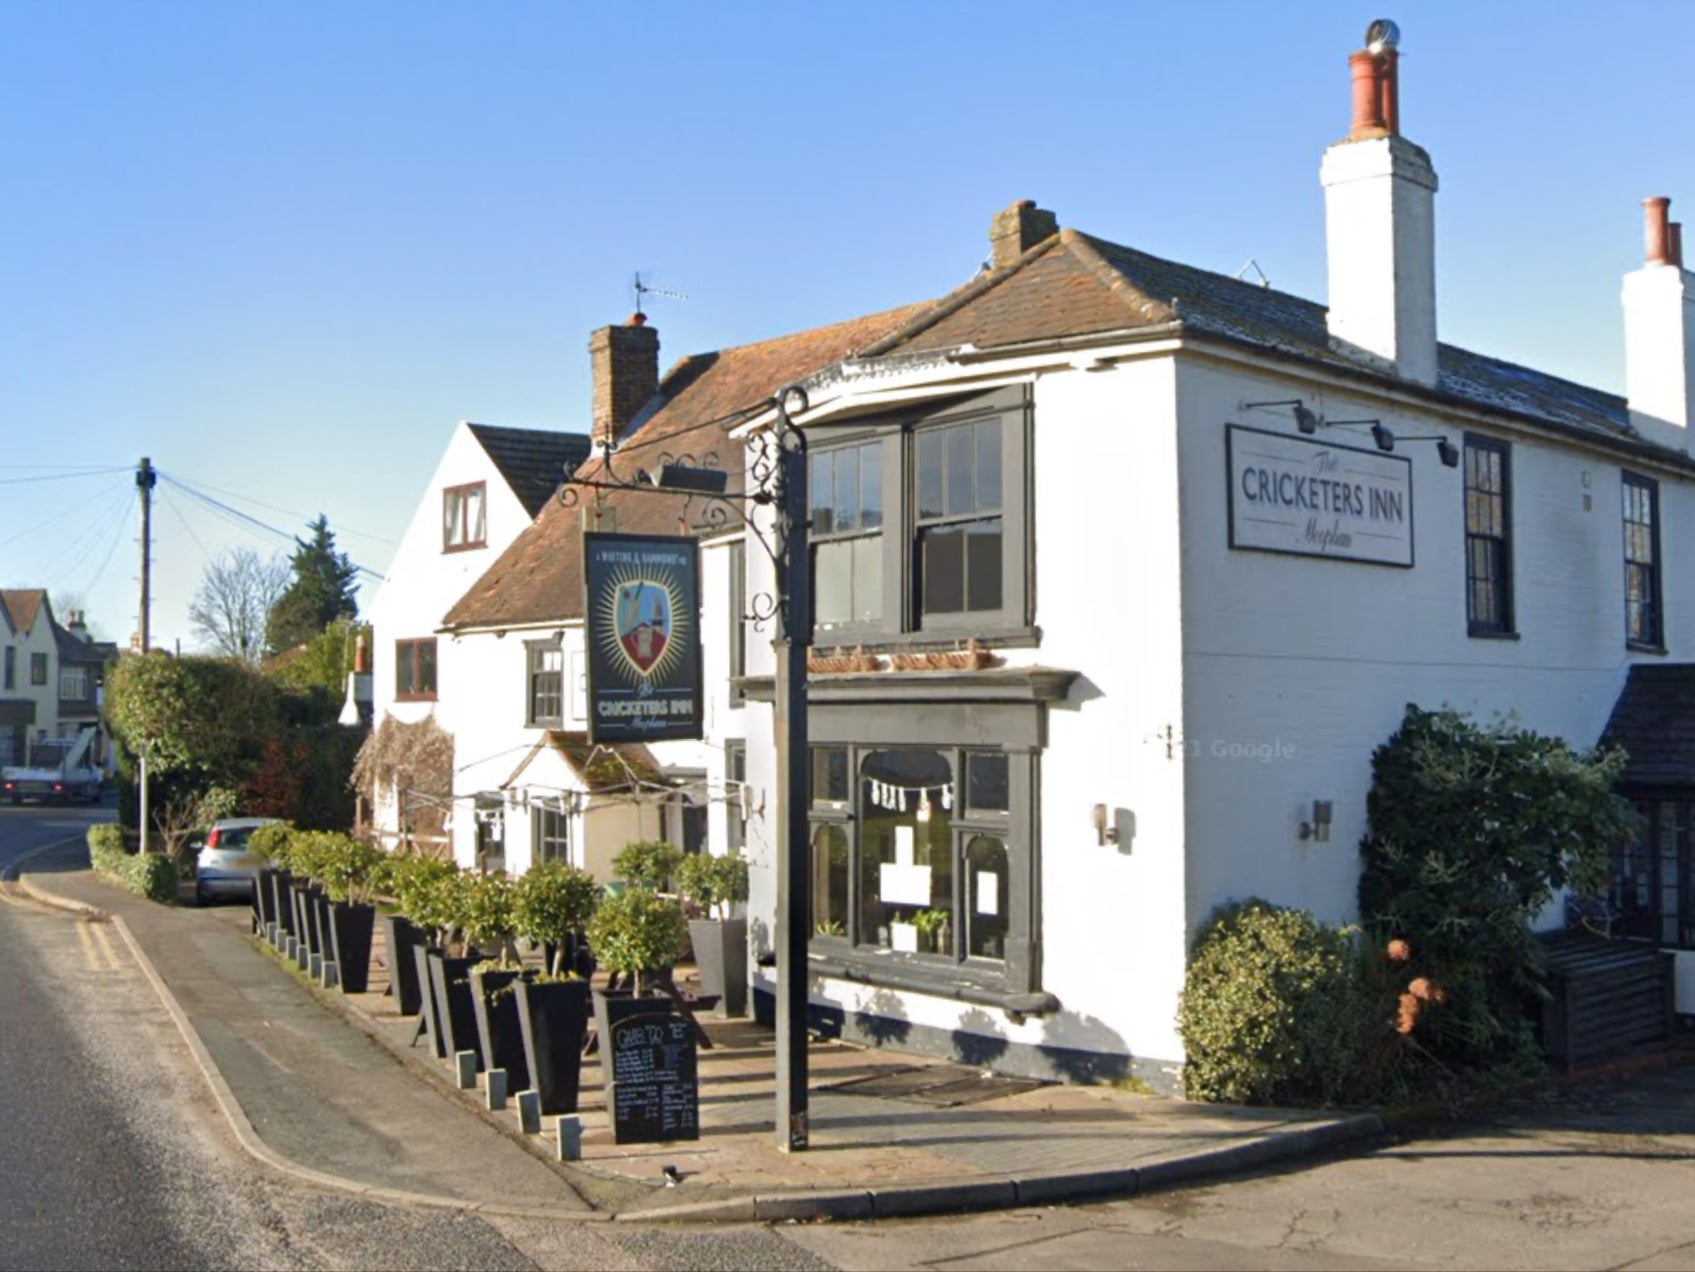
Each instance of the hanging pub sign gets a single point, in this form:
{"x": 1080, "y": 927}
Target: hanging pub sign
{"x": 1310, "y": 498}
{"x": 643, "y": 638}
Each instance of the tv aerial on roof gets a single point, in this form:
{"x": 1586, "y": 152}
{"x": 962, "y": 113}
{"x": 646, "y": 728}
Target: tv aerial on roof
{"x": 643, "y": 288}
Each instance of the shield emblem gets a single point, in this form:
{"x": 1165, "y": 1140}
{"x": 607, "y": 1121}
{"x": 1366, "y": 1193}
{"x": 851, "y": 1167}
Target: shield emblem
{"x": 642, "y": 618}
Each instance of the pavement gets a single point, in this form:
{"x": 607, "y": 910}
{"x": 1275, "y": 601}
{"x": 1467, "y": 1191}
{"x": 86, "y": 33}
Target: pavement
{"x": 328, "y": 1088}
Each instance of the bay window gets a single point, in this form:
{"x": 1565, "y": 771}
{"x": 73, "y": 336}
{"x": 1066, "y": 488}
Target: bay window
{"x": 920, "y": 522}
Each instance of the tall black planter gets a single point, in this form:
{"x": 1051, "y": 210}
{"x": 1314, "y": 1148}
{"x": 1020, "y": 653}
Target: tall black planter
{"x": 720, "y": 952}
{"x": 322, "y": 908}
{"x": 351, "y": 926}
{"x": 261, "y": 890}
{"x": 499, "y": 1038}
{"x": 399, "y": 936}
{"x": 553, "y": 1019}
{"x": 282, "y": 901}
{"x": 456, "y": 1013}
{"x": 301, "y": 900}
{"x": 420, "y": 958}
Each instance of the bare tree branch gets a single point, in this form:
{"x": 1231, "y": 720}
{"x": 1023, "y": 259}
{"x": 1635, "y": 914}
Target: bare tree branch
{"x": 233, "y": 603}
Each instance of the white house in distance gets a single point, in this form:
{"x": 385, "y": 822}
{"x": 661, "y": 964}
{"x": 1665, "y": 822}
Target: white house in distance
{"x": 1124, "y": 568}
{"x": 490, "y": 484}
{"x": 512, "y": 646}
{"x": 29, "y": 672}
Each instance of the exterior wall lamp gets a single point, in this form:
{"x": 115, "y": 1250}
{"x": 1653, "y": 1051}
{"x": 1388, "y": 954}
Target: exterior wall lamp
{"x": 1305, "y": 419}
{"x": 1318, "y": 829}
{"x": 1105, "y": 832}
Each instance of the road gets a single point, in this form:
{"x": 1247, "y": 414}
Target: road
{"x": 112, "y": 1155}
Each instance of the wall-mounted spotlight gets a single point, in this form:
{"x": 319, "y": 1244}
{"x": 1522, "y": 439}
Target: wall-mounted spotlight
{"x": 1105, "y": 832}
{"x": 1318, "y": 829}
{"x": 1305, "y": 420}
{"x": 1380, "y": 433}
{"x": 1446, "y": 451}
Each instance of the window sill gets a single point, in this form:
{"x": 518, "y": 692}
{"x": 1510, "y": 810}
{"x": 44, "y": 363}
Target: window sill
{"x": 878, "y": 642}
{"x": 414, "y": 697}
{"x": 1488, "y": 635}
{"x": 448, "y": 548}
{"x": 1637, "y": 647}
{"x": 910, "y": 972}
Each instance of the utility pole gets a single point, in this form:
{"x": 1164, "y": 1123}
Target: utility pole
{"x": 145, "y": 479}
{"x": 793, "y": 646}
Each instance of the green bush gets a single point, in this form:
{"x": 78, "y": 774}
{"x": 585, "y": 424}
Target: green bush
{"x": 106, "y": 849}
{"x": 638, "y": 933}
{"x": 553, "y": 902}
{"x": 342, "y": 866}
{"x": 275, "y": 843}
{"x": 486, "y": 909}
{"x": 151, "y": 875}
{"x": 1273, "y": 1010}
{"x": 713, "y": 882}
{"x": 648, "y": 863}
{"x": 1473, "y": 830}
{"x": 426, "y": 889}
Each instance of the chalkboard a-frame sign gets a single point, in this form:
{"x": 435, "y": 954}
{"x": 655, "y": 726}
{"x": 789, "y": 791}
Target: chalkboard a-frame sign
{"x": 654, "y": 1095}
{"x": 644, "y": 663}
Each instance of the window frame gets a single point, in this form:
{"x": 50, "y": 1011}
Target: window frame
{"x": 1629, "y": 921}
{"x": 406, "y": 654}
{"x": 737, "y": 565}
{"x": 1502, "y": 584}
{"x": 904, "y": 620}
{"x": 1018, "y": 971}
{"x": 735, "y": 779}
{"x": 541, "y": 814}
{"x": 534, "y": 718}
{"x": 38, "y": 671}
{"x": 79, "y": 674}
{"x": 11, "y": 668}
{"x": 1654, "y": 640}
{"x": 448, "y": 495}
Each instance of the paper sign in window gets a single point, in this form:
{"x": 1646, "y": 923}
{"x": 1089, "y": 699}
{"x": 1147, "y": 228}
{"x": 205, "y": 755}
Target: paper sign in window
{"x": 988, "y": 892}
{"x": 904, "y": 885}
{"x": 903, "y": 845}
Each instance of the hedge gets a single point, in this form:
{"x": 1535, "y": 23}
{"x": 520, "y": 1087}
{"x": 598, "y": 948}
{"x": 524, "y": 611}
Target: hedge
{"x": 149, "y": 875}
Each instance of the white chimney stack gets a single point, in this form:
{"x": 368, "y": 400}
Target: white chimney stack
{"x": 1659, "y": 333}
{"x": 1380, "y": 225}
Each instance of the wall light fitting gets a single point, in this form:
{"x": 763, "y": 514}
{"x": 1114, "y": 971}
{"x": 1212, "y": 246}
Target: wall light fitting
{"x": 1105, "y": 832}
{"x": 1318, "y": 829}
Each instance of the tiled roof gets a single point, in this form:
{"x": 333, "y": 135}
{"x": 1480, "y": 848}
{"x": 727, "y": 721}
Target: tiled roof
{"x": 1075, "y": 285}
{"x": 22, "y": 605}
{"x": 539, "y": 578}
{"x": 533, "y": 461}
{"x": 73, "y": 648}
{"x": 621, "y": 766}
{"x": 1654, "y": 721}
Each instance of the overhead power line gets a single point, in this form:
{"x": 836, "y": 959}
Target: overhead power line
{"x": 247, "y": 520}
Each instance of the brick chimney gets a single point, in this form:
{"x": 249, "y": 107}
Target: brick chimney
{"x": 1659, "y": 332}
{"x": 626, "y": 375}
{"x": 1015, "y": 231}
{"x": 1380, "y": 227}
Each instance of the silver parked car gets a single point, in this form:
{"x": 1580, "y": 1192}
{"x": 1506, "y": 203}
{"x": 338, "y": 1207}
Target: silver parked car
{"x": 225, "y": 867}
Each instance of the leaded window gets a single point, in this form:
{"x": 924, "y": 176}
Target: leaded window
{"x": 1643, "y": 620}
{"x": 1488, "y": 537}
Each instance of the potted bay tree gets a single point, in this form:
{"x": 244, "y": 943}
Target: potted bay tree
{"x": 637, "y": 936}
{"x": 554, "y": 905}
{"x": 716, "y": 884}
{"x": 489, "y": 918}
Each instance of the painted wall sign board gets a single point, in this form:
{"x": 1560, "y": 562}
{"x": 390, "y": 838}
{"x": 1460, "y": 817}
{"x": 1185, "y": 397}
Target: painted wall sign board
{"x": 1306, "y": 497}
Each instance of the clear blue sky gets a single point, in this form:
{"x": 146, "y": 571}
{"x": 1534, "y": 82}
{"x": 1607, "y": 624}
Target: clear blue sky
{"x": 283, "y": 249}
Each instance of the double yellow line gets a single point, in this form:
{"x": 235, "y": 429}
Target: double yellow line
{"x": 97, "y": 946}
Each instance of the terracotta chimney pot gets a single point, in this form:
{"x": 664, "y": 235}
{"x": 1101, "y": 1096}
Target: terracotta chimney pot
{"x": 1368, "y": 95}
{"x": 1658, "y": 230}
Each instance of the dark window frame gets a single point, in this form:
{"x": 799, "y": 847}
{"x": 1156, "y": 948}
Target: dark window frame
{"x": 1644, "y": 865}
{"x": 536, "y": 694}
{"x": 461, "y": 517}
{"x": 38, "y": 671}
{"x": 1644, "y": 623}
{"x": 1491, "y": 550}
{"x": 11, "y": 667}
{"x": 904, "y": 618}
{"x": 409, "y": 668}
{"x": 1018, "y": 971}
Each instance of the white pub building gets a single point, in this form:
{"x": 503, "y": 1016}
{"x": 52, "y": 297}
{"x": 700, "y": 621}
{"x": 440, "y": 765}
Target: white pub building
{"x": 1123, "y": 569}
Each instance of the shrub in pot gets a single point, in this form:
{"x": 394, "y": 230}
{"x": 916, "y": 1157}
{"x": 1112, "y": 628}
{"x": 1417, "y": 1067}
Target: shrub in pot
{"x": 554, "y": 904}
{"x": 648, "y": 863}
{"x": 487, "y": 909}
{"x": 638, "y": 935}
{"x": 715, "y": 884}
{"x": 346, "y": 866}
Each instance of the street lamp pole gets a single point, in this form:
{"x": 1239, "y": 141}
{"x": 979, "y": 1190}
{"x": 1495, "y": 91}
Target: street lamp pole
{"x": 793, "y": 644}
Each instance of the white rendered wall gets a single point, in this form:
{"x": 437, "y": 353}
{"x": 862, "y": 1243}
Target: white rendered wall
{"x": 1296, "y": 668}
{"x": 1659, "y": 352}
{"x": 38, "y": 639}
